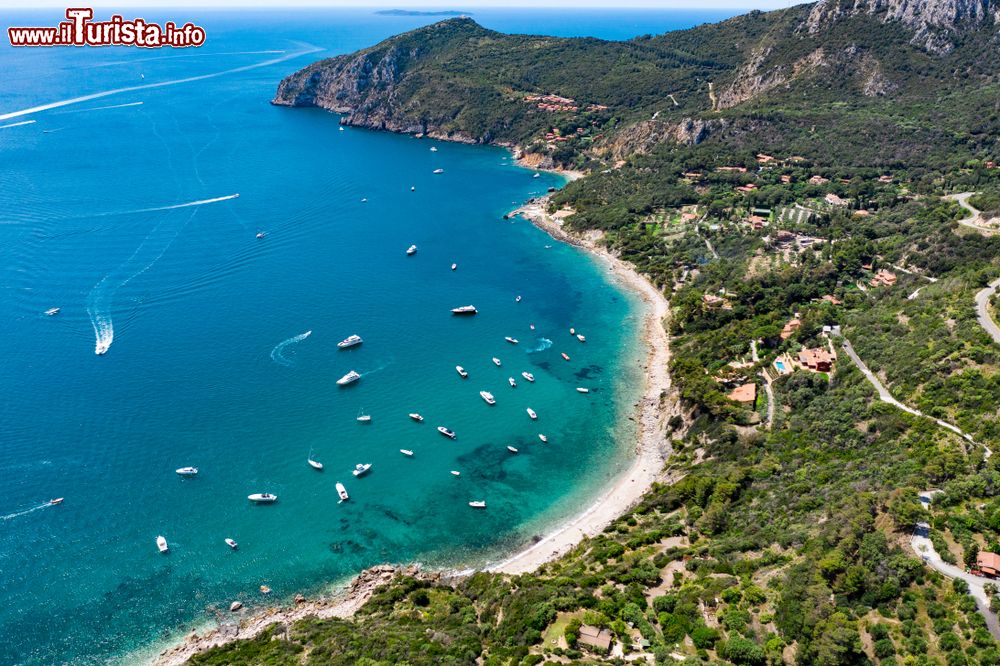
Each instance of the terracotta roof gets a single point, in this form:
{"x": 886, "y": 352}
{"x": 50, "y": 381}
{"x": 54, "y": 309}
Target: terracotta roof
{"x": 745, "y": 393}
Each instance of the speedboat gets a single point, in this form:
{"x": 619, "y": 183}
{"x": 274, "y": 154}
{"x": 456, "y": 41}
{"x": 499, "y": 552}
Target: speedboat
{"x": 361, "y": 468}
{"x": 315, "y": 464}
{"x": 261, "y": 234}
{"x": 52, "y": 311}
{"x": 364, "y": 418}
{"x": 406, "y": 452}
{"x": 512, "y": 449}
{"x": 342, "y": 491}
{"x": 537, "y": 175}
{"x": 581, "y": 337}
{"x": 365, "y": 200}
{"x": 464, "y": 310}
{"x": 416, "y": 417}
{"x": 527, "y": 375}
{"x": 341, "y": 128}
{"x": 496, "y": 361}
{"x": 532, "y": 413}
{"x": 531, "y": 326}
{"x": 350, "y": 341}
{"x": 488, "y": 397}
{"x": 513, "y": 384}
{"x": 438, "y": 171}
{"x": 572, "y": 331}
{"x": 232, "y": 544}
{"x": 543, "y": 437}
{"x": 478, "y": 504}
{"x": 454, "y": 266}
{"x": 455, "y": 473}
{"x": 565, "y": 356}
{"x": 412, "y": 250}
{"x": 161, "y": 543}
{"x": 262, "y": 498}
{"x": 349, "y": 378}
{"x": 450, "y": 434}
{"x": 580, "y": 389}
{"x": 461, "y": 372}
{"x": 518, "y": 299}
{"x": 187, "y": 471}
{"x": 434, "y": 149}
{"x": 511, "y": 340}
{"x": 413, "y": 189}
{"x": 58, "y": 500}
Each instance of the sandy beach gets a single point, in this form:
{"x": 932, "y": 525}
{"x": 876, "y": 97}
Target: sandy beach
{"x": 655, "y": 407}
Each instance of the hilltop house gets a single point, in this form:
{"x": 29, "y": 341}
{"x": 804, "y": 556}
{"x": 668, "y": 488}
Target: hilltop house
{"x": 834, "y": 200}
{"x": 594, "y": 638}
{"x": 883, "y": 278}
{"x": 789, "y": 329}
{"x": 988, "y": 563}
{"x": 817, "y": 360}
{"x": 745, "y": 394}
{"x": 819, "y": 180}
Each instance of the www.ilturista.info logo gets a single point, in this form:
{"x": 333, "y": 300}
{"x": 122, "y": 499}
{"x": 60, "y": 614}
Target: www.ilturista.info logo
{"x": 80, "y": 30}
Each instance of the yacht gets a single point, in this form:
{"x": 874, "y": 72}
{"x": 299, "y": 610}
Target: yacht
{"x": 511, "y": 340}
{"x": 496, "y": 361}
{"x": 349, "y": 378}
{"x": 478, "y": 504}
{"x": 565, "y": 356}
{"x": 532, "y": 413}
{"x": 406, "y": 452}
{"x": 342, "y": 491}
{"x": 412, "y": 250}
{"x": 187, "y": 471}
{"x": 450, "y": 434}
{"x": 581, "y": 337}
{"x": 416, "y": 417}
{"x": 161, "y": 543}
{"x": 57, "y": 500}
{"x": 580, "y": 389}
{"x": 361, "y": 468}
{"x": 455, "y": 472}
{"x": 543, "y": 438}
{"x": 527, "y": 375}
{"x": 465, "y": 310}
{"x": 350, "y": 341}
{"x": 438, "y": 171}
{"x": 488, "y": 397}
{"x": 232, "y": 544}
{"x": 512, "y": 449}
{"x": 461, "y": 372}
{"x": 315, "y": 464}
{"x": 52, "y": 311}
{"x": 454, "y": 266}
{"x": 364, "y": 418}
{"x": 263, "y": 498}
{"x": 513, "y": 384}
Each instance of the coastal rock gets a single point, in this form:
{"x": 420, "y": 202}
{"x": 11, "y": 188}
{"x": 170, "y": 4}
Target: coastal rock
{"x": 299, "y": 599}
{"x": 645, "y": 135}
{"x": 757, "y": 77}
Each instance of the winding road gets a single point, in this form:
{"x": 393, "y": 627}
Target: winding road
{"x": 983, "y": 312}
{"x": 975, "y": 219}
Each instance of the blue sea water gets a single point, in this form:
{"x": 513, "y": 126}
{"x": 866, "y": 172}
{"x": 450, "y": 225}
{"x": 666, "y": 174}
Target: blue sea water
{"x": 209, "y": 364}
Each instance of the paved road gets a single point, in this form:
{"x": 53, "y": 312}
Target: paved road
{"x": 983, "y": 313}
{"x": 923, "y": 547}
{"x": 975, "y": 220}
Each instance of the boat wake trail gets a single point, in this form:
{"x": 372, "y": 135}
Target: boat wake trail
{"x": 101, "y": 108}
{"x": 280, "y": 347}
{"x": 543, "y": 344}
{"x": 200, "y": 202}
{"x": 23, "y": 122}
{"x": 18, "y": 514}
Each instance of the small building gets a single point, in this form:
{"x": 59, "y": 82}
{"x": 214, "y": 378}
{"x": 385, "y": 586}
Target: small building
{"x": 819, "y": 180}
{"x": 832, "y": 300}
{"x": 746, "y": 189}
{"x": 712, "y": 301}
{"x": 689, "y": 217}
{"x": 988, "y": 563}
{"x": 789, "y": 329}
{"x": 598, "y": 640}
{"x": 834, "y": 200}
{"x": 786, "y": 179}
{"x": 883, "y": 278}
{"x": 817, "y": 360}
{"x": 745, "y": 394}
{"x": 764, "y": 159}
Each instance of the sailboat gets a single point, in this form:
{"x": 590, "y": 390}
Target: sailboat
{"x": 315, "y": 464}
{"x": 364, "y": 418}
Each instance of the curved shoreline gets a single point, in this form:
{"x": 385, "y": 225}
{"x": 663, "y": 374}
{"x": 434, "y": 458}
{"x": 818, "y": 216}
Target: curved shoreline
{"x": 657, "y": 404}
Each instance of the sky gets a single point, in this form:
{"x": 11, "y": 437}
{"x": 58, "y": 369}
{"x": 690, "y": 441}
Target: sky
{"x": 468, "y": 5}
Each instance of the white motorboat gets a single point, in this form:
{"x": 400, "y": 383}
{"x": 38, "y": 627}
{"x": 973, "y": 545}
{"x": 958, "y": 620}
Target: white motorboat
{"x": 364, "y": 418}
{"x": 543, "y": 437}
{"x": 262, "y": 498}
{"x": 513, "y": 384}
{"x": 416, "y": 417}
{"x": 413, "y": 189}
{"x": 261, "y": 234}
{"x": 406, "y": 452}
{"x": 52, "y": 311}
{"x": 572, "y": 331}
{"x": 564, "y": 355}
{"x": 342, "y": 491}
{"x": 342, "y": 128}
{"x": 527, "y": 375}
{"x": 315, "y": 464}
{"x": 531, "y": 326}
{"x": 361, "y": 468}
{"x": 512, "y": 449}
{"x": 349, "y": 378}
{"x": 412, "y": 250}
{"x": 537, "y": 175}
{"x": 581, "y": 337}
{"x": 434, "y": 149}
{"x": 455, "y": 473}
{"x": 350, "y": 341}
{"x": 511, "y": 340}
{"x": 454, "y": 266}
{"x": 161, "y": 543}
{"x": 450, "y": 434}
{"x": 465, "y": 310}
{"x": 496, "y": 362}
{"x": 532, "y": 413}
{"x": 478, "y": 504}
{"x": 187, "y": 471}
{"x": 438, "y": 171}
{"x": 364, "y": 200}
{"x": 488, "y": 397}
{"x": 232, "y": 544}
{"x": 461, "y": 372}
{"x": 580, "y": 389}
{"x": 517, "y": 299}
{"x": 57, "y": 500}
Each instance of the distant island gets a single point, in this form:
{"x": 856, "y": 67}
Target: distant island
{"x": 412, "y": 12}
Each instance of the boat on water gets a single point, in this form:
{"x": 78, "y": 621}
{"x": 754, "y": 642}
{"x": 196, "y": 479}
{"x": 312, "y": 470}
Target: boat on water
{"x": 580, "y": 389}
{"x": 315, "y": 464}
{"x": 450, "y": 434}
{"x": 517, "y": 299}
{"x": 262, "y": 498}
{"x": 543, "y": 437}
{"x": 261, "y": 234}
{"x": 264, "y": 589}
{"x": 455, "y": 472}
{"x": 438, "y": 171}
{"x": 565, "y": 356}
{"x": 488, "y": 397}
{"x": 232, "y": 544}
{"x": 412, "y": 250}
{"x": 537, "y": 175}
{"x": 342, "y": 491}
{"x": 532, "y": 413}
{"x": 477, "y": 504}
{"x": 464, "y": 310}
{"x": 572, "y": 331}
{"x": 513, "y": 384}
{"x": 511, "y": 340}
{"x": 364, "y": 418}
{"x": 581, "y": 337}
{"x": 527, "y": 375}
{"x": 461, "y": 372}
{"x": 531, "y": 326}
{"x": 161, "y": 543}
{"x": 57, "y": 500}
{"x": 364, "y": 200}
{"x": 434, "y": 149}
{"x": 416, "y": 417}
{"x": 341, "y": 128}
{"x": 511, "y": 449}
{"x": 187, "y": 471}
{"x": 52, "y": 311}
{"x": 349, "y": 341}
{"x": 349, "y": 378}
{"x": 454, "y": 266}
{"x": 496, "y": 361}
{"x": 406, "y": 452}
{"x": 361, "y": 468}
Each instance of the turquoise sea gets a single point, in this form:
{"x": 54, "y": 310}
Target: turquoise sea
{"x": 209, "y": 364}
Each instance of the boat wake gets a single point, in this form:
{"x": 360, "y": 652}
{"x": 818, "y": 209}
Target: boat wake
{"x": 18, "y": 514}
{"x": 200, "y": 202}
{"x": 543, "y": 344}
{"x": 276, "y": 355}
{"x": 101, "y": 108}
{"x": 23, "y": 122}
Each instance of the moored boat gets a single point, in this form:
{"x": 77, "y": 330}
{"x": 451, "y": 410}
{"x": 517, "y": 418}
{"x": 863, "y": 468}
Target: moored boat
{"x": 438, "y": 171}
{"x": 416, "y": 417}
{"x": 488, "y": 397}
{"x": 580, "y": 389}
{"x": 412, "y": 250}
{"x": 565, "y": 356}
{"x": 543, "y": 437}
{"x": 406, "y": 452}
{"x": 465, "y": 310}
{"x": 350, "y": 341}
{"x": 361, "y": 468}
{"x": 52, "y": 311}
{"x": 450, "y": 434}
{"x": 532, "y": 413}
{"x": 187, "y": 471}
{"x": 262, "y": 498}
{"x": 461, "y": 372}
{"x": 511, "y": 340}
{"x": 517, "y": 299}
{"x": 349, "y": 378}
{"x": 342, "y": 491}
{"x": 232, "y": 544}
{"x": 315, "y": 464}
{"x": 161, "y": 543}
{"x": 527, "y": 375}
{"x": 455, "y": 473}
{"x": 454, "y": 266}
{"x": 364, "y": 418}
{"x": 496, "y": 362}
{"x": 581, "y": 337}
{"x": 572, "y": 331}
{"x": 261, "y": 234}
{"x": 477, "y": 504}
{"x": 511, "y": 449}
{"x": 513, "y": 384}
